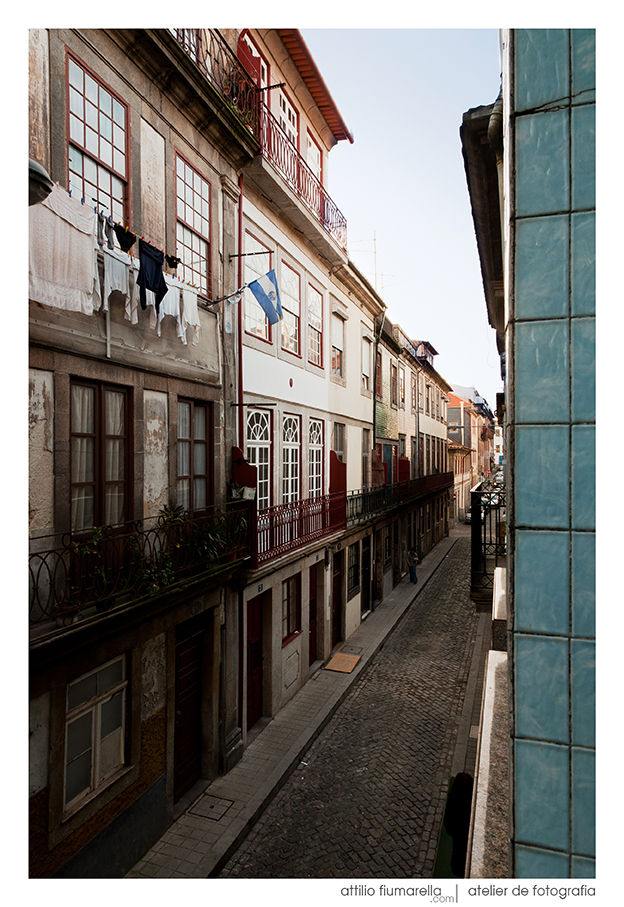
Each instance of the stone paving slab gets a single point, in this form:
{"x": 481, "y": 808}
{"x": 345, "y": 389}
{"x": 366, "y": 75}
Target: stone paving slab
{"x": 277, "y": 750}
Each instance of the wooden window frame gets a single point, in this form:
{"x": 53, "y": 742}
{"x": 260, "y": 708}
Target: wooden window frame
{"x": 353, "y": 570}
{"x": 92, "y": 706}
{"x": 394, "y": 385}
{"x": 319, "y": 364}
{"x": 99, "y": 435}
{"x": 208, "y": 441}
{"x": 291, "y": 446}
{"x": 322, "y": 450}
{"x": 82, "y": 147}
{"x": 337, "y": 354}
{"x": 261, "y": 445}
{"x": 207, "y": 238}
{"x": 291, "y": 608}
{"x": 249, "y": 299}
{"x": 296, "y": 316}
{"x": 340, "y": 425}
{"x": 378, "y": 371}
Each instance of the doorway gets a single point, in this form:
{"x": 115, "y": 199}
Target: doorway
{"x": 312, "y": 614}
{"x": 190, "y": 648}
{"x": 254, "y": 660}
{"x": 337, "y": 598}
{"x": 366, "y": 575}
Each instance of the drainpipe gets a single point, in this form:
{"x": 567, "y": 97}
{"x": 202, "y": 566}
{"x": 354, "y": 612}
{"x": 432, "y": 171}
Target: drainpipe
{"x": 241, "y": 411}
{"x": 377, "y": 339}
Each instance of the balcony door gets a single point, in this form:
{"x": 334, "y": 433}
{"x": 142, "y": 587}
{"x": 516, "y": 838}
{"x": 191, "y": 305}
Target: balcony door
{"x": 337, "y": 606}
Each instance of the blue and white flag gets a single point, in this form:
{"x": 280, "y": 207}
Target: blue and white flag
{"x": 266, "y": 292}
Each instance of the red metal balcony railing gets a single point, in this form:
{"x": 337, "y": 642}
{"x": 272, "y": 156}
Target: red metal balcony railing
{"x": 286, "y": 527}
{"x": 112, "y": 565}
{"x": 220, "y": 65}
{"x": 278, "y": 149}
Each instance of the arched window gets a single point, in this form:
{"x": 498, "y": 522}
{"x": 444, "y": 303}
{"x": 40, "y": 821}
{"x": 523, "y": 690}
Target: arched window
{"x": 259, "y": 452}
{"x": 315, "y": 459}
{"x": 290, "y": 458}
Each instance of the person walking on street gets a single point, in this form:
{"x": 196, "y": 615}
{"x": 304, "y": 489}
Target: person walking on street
{"x": 412, "y": 560}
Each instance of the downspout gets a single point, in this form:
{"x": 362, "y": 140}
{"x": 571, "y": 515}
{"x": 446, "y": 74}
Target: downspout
{"x": 241, "y": 414}
{"x": 377, "y": 339}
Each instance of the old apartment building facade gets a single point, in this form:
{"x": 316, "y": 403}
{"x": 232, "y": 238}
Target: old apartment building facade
{"x": 216, "y": 501}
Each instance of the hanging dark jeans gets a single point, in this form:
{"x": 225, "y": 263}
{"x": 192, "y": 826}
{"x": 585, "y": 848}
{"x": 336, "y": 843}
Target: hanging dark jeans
{"x": 151, "y": 275}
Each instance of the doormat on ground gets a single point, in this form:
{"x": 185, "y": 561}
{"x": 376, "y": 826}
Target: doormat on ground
{"x": 342, "y": 662}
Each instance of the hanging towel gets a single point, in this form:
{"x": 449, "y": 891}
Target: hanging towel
{"x": 124, "y": 237}
{"x": 151, "y": 275}
{"x": 62, "y": 268}
{"x": 170, "y": 304}
{"x": 116, "y": 276}
{"x": 190, "y": 314}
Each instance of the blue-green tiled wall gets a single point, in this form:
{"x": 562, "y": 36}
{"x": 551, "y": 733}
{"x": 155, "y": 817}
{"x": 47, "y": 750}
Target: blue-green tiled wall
{"x": 552, "y": 386}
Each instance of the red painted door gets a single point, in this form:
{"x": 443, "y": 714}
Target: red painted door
{"x": 312, "y": 614}
{"x": 254, "y": 660}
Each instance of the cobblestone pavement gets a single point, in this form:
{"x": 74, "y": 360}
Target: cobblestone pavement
{"x": 368, "y": 797}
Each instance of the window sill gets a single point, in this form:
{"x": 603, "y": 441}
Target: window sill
{"x": 288, "y": 639}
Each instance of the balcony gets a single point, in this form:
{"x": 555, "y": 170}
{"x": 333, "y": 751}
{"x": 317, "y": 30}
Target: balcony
{"x": 220, "y": 65}
{"x": 280, "y": 173}
{"x": 370, "y": 502}
{"x": 488, "y": 530}
{"x": 286, "y": 527}
{"x": 117, "y": 565}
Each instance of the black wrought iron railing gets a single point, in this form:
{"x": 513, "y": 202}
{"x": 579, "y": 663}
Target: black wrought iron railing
{"x": 220, "y": 65}
{"x": 488, "y": 519}
{"x": 367, "y": 502}
{"x": 112, "y": 565}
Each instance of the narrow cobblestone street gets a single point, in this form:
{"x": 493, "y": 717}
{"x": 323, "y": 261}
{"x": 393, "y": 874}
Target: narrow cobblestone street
{"x": 368, "y": 797}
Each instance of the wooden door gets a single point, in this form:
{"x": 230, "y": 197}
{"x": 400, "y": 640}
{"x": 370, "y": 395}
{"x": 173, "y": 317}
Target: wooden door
{"x": 254, "y": 660}
{"x": 312, "y": 607}
{"x": 337, "y": 605}
{"x": 189, "y": 655}
{"x": 366, "y": 574}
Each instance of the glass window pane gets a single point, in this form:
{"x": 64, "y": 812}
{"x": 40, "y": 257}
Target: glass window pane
{"x": 119, "y": 138}
{"x": 105, "y": 101}
{"x": 184, "y": 458}
{"x": 184, "y": 489}
{"x": 91, "y": 115}
{"x": 184, "y": 420}
{"x": 91, "y": 88}
{"x": 110, "y": 676}
{"x": 200, "y": 423}
{"x": 199, "y": 494}
{"x": 111, "y": 754}
{"x": 81, "y": 691}
{"x": 199, "y": 459}
{"x": 106, "y": 152}
{"x": 111, "y": 714}
{"x": 114, "y": 502}
{"x": 76, "y": 129}
{"x": 91, "y": 141}
{"x": 75, "y": 75}
{"x": 119, "y": 113}
{"x": 82, "y": 459}
{"x": 76, "y": 102}
{"x": 79, "y": 736}
{"x": 78, "y": 777}
{"x": 106, "y": 127}
{"x": 82, "y": 508}
{"x": 115, "y": 410}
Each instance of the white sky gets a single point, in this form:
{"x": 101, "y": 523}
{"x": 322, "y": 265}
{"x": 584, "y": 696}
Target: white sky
{"x": 402, "y": 93}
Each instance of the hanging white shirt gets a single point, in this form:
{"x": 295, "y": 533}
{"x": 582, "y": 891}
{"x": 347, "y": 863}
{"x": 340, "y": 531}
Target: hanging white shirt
{"x": 170, "y": 303}
{"x": 116, "y": 276}
{"x": 62, "y": 267}
{"x": 190, "y": 313}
